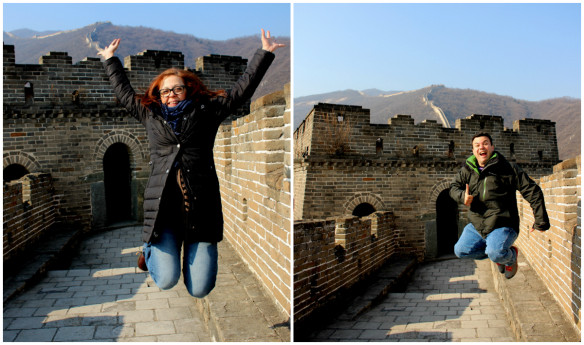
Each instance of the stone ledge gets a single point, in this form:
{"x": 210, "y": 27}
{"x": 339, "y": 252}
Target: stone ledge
{"x": 533, "y": 313}
{"x": 349, "y": 303}
{"x": 275, "y": 98}
{"x": 238, "y": 308}
{"x": 39, "y": 261}
{"x": 56, "y": 252}
{"x": 390, "y": 278}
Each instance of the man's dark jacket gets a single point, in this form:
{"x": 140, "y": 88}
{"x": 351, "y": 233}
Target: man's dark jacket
{"x": 192, "y": 150}
{"x": 493, "y": 189}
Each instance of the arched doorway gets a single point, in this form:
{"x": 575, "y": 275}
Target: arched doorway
{"x": 117, "y": 182}
{"x": 446, "y": 223}
{"x": 14, "y": 172}
{"x": 363, "y": 210}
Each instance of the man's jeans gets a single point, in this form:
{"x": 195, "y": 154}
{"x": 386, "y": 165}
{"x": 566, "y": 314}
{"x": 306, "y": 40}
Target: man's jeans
{"x": 496, "y": 246}
{"x": 199, "y": 266}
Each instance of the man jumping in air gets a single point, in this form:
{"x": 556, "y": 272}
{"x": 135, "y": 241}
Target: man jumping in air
{"x": 487, "y": 183}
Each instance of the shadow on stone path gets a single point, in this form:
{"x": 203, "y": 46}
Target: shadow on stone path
{"x": 451, "y": 300}
{"x": 103, "y": 297}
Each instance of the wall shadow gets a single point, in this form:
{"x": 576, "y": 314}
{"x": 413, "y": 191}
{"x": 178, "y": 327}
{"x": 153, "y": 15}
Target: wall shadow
{"x": 575, "y": 261}
{"x": 97, "y": 298}
{"x": 428, "y": 309}
{"x": 76, "y": 307}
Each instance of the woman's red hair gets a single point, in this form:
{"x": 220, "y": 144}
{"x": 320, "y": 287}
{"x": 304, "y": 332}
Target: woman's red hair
{"x": 196, "y": 90}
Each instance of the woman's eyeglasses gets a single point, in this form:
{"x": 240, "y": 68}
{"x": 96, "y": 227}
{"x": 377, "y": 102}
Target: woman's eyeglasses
{"x": 177, "y": 90}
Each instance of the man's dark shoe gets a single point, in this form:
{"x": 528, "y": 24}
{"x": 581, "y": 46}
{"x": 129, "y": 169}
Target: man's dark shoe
{"x": 511, "y": 270}
{"x": 142, "y": 262}
{"x": 501, "y": 268}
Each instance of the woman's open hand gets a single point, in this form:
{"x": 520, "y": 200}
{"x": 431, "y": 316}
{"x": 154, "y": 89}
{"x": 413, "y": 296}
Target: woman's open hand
{"x": 109, "y": 51}
{"x": 268, "y": 42}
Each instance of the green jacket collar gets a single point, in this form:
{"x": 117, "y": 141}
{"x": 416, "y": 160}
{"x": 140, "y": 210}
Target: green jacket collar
{"x": 473, "y": 164}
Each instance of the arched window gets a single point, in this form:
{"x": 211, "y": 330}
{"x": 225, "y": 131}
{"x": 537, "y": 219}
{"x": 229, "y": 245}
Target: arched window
{"x": 14, "y": 172}
{"x": 363, "y": 210}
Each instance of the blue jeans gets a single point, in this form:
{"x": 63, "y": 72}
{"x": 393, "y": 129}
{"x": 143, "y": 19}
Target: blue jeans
{"x": 199, "y": 266}
{"x": 496, "y": 246}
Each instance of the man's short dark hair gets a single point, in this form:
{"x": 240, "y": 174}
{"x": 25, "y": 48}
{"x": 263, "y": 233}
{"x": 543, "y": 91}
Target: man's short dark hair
{"x": 482, "y": 134}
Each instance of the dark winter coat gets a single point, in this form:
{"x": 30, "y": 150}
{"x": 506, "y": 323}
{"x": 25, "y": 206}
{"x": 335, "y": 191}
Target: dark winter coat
{"x": 191, "y": 151}
{"x": 493, "y": 189}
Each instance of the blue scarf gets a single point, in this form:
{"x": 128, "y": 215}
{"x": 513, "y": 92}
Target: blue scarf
{"x": 174, "y": 115}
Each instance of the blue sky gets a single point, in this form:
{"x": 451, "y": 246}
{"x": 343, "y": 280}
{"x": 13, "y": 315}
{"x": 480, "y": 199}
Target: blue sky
{"x": 210, "y": 21}
{"x": 527, "y": 51}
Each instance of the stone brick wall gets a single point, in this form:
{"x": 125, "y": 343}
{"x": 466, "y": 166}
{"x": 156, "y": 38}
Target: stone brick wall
{"x": 336, "y": 187}
{"x": 253, "y": 160}
{"x": 556, "y": 254}
{"x": 335, "y": 254}
{"x": 29, "y": 213}
{"x": 71, "y": 146}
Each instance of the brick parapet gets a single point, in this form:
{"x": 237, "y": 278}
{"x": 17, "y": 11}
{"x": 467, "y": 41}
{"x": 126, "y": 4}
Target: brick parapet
{"x": 555, "y": 255}
{"x": 29, "y": 213}
{"x": 333, "y": 254}
{"x": 252, "y": 156}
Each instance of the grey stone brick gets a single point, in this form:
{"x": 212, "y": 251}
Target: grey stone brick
{"x": 79, "y": 333}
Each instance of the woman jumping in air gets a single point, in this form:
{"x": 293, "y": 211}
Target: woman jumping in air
{"x": 182, "y": 203}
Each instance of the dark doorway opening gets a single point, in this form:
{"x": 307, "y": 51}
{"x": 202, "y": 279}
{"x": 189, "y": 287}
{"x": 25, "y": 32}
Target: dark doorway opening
{"x": 14, "y": 172}
{"x": 446, "y": 223}
{"x": 363, "y": 210}
{"x": 117, "y": 182}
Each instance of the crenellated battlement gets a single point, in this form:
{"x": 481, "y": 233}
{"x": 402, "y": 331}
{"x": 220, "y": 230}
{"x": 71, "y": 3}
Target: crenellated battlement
{"x": 154, "y": 60}
{"x": 346, "y": 131}
{"x": 56, "y": 85}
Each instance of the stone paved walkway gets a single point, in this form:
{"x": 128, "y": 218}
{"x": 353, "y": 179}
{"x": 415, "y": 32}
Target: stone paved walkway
{"x": 451, "y": 300}
{"x": 104, "y": 297}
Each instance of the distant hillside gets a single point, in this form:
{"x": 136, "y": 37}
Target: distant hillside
{"x": 82, "y": 42}
{"x": 27, "y": 33}
{"x": 445, "y": 105}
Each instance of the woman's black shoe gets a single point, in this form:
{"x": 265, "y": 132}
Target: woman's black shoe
{"x": 142, "y": 262}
